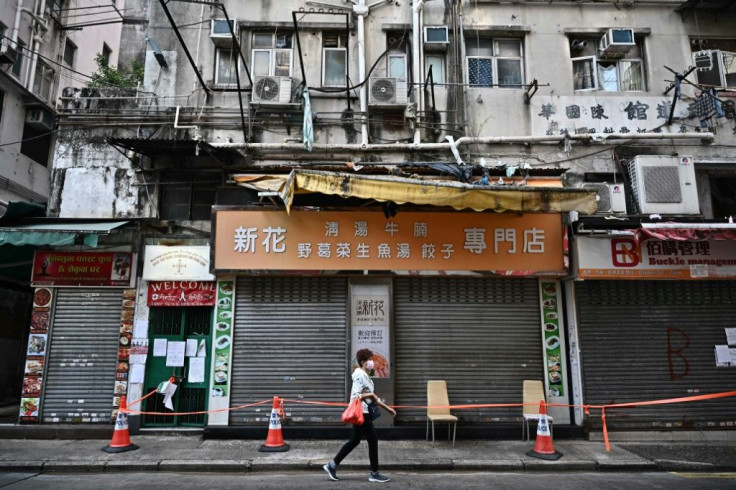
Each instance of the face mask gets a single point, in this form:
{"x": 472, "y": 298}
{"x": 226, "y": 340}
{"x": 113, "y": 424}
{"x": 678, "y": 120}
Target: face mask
{"x": 369, "y": 366}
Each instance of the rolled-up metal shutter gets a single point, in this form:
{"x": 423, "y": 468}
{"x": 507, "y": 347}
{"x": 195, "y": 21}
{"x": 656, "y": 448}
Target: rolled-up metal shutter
{"x": 482, "y": 336}
{"x": 649, "y": 340}
{"x": 82, "y": 356}
{"x": 290, "y": 340}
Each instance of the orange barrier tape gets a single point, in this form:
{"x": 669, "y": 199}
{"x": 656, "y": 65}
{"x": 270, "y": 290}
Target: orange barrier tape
{"x": 136, "y": 412}
{"x": 141, "y": 399}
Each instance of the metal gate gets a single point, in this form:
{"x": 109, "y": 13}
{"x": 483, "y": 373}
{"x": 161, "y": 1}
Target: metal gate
{"x": 482, "y": 336}
{"x": 648, "y": 340}
{"x": 289, "y": 340}
{"x": 82, "y": 359}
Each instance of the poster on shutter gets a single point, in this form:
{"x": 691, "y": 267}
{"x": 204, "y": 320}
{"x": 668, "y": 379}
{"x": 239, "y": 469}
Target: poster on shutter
{"x": 552, "y": 338}
{"x": 370, "y": 325}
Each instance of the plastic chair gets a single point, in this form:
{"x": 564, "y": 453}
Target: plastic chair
{"x": 437, "y": 396}
{"x": 533, "y": 394}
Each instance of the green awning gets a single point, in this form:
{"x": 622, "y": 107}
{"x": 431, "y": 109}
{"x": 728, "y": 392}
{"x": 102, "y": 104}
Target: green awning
{"x": 56, "y": 233}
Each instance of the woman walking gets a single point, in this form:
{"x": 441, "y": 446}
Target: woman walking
{"x": 363, "y": 388}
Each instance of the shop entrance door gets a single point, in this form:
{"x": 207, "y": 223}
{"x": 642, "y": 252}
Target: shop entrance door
{"x": 175, "y": 324}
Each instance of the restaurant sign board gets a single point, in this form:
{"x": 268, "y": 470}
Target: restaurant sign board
{"x": 82, "y": 269}
{"x": 181, "y": 293}
{"x": 177, "y": 263}
{"x": 625, "y": 257}
{"x": 508, "y": 244}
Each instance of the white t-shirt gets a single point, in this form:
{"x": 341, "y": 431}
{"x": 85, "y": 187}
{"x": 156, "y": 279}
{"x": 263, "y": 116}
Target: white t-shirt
{"x": 362, "y": 383}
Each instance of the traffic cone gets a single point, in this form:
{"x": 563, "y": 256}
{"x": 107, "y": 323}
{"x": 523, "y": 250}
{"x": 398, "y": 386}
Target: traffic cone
{"x": 121, "y": 436}
{"x": 543, "y": 447}
{"x": 274, "y": 440}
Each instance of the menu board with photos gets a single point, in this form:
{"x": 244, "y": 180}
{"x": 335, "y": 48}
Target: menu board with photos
{"x": 224, "y": 310}
{"x": 36, "y": 356}
{"x": 553, "y": 339}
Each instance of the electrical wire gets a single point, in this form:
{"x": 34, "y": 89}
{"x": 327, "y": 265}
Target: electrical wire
{"x": 34, "y": 137}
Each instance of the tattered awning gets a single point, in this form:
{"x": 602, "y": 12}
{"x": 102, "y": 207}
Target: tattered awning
{"x": 435, "y": 193}
{"x": 56, "y": 233}
{"x": 693, "y": 232}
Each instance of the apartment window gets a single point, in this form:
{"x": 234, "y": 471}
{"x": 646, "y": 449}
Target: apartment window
{"x": 334, "y": 59}
{"x": 188, "y": 196}
{"x": 225, "y": 66}
{"x": 43, "y": 80}
{"x": 593, "y": 70}
{"x": 70, "y": 53}
{"x": 715, "y": 60}
{"x": 494, "y": 62}
{"x": 106, "y": 53}
{"x": 20, "y": 53}
{"x": 271, "y": 54}
{"x": 437, "y": 63}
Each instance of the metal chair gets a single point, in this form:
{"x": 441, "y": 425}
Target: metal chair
{"x": 533, "y": 394}
{"x": 437, "y": 397}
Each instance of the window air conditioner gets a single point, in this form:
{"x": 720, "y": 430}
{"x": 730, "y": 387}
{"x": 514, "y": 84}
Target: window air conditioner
{"x": 8, "y": 55}
{"x": 435, "y": 35}
{"x": 664, "y": 185}
{"x": 387, "y": 92}
{"x": 615, "y": 43}
{"x": 220, "y": 32}
{"x": 610, "y": 198}
{"x": 271, "y": 90}
{"x": 40, "y": 119}
{"x": 716, "y": 67}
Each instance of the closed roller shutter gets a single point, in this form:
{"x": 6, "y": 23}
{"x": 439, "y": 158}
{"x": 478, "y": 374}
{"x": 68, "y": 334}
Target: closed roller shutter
{"x": 290, "y": 340}
{"x": 482, "y": 336}
{"x": 82, "y": 358}
{"x": 648, "y": 340}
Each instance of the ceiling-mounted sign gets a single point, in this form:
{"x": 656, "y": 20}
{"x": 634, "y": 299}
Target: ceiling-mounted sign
{"x": 185, "y": 263}
{"x": 181, "y": 293}
{"x": 82, "y": 269}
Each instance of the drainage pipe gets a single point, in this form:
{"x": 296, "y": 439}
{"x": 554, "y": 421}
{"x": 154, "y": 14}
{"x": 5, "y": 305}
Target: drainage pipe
{"x": 416, "y": 59}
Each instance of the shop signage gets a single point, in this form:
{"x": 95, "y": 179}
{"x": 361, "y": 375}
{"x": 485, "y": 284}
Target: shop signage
{"x": 624, "y": 257}
{"x": 370, "y": 325}
{"x": 82, "y": 269}
{"x": 186, "y": 263}
{"x": 181, "y": 293}
{"x": 224, "y": 314}
{"x": 508, "y": 244}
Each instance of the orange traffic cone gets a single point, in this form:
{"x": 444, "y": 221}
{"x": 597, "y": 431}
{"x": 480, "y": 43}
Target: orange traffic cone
{"x": 274, "y": 440}
{"x": 543, "y": 447}
{"x": 121, "y": 436}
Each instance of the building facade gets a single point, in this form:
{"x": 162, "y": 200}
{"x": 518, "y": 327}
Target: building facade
{"x": 481, "y": 192}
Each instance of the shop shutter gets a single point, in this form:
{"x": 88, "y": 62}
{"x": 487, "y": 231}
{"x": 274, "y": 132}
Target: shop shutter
{"x": 82, "y": 356}
{"x": 482, "y": 336}
{"x": 290, "y": 340}
{"x": 649, "y": 340}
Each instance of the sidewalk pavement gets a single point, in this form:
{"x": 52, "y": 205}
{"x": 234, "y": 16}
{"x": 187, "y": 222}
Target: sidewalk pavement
{"x": 179, "y": 453}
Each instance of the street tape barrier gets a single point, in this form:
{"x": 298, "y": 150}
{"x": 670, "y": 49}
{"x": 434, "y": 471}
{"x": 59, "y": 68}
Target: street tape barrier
{"x": 586, "y": 407}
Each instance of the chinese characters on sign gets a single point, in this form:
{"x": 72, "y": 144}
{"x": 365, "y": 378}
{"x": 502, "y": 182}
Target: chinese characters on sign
{"x": 368, "y": 241}
{"x": 580, "y": 114}
{"x": 370, "y": 325}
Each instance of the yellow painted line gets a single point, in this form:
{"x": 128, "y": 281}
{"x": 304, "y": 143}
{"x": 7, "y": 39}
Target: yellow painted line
{"x": 722, "y": 476}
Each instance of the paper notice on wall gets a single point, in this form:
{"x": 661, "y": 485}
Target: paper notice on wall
{"x": 140, "y": 329}
{"x": 202, "y": 349}
{"x": 169, "y": 392}
{"x": 136, "y": 373}
{"x": 175, "y": 354}
{"x": 723, "y": 356}
{"x": 731, "y": 336}
{"x": 191, "y": 347}
{"x": 196, "y": 370}
{"x": 159, "y": 347}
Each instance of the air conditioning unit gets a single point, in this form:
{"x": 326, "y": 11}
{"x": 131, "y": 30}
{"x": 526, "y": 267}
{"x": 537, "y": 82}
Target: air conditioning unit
{"x": 715, "y": 67}
{"x": 271, "y": 90}
{"x": 610, "y": 198}
{"x": 436, "y": 35}
{"x": 387, "y": 92}
{"x": 8, "y": 55}
{"x": 220, "y": 32}
{"x": 615, "y": 43}
{"x": 664, "y": 185}
{"x": 40, "y": 119}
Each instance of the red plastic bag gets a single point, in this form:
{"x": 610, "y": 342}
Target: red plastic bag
{"x": 354, "y": 413}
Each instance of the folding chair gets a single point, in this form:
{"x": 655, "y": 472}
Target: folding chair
{"x": 437, "y": 396}
{"x": 533, "y": 394}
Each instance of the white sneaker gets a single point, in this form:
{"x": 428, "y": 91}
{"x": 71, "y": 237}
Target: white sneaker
{"x": 332, "y": 472}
